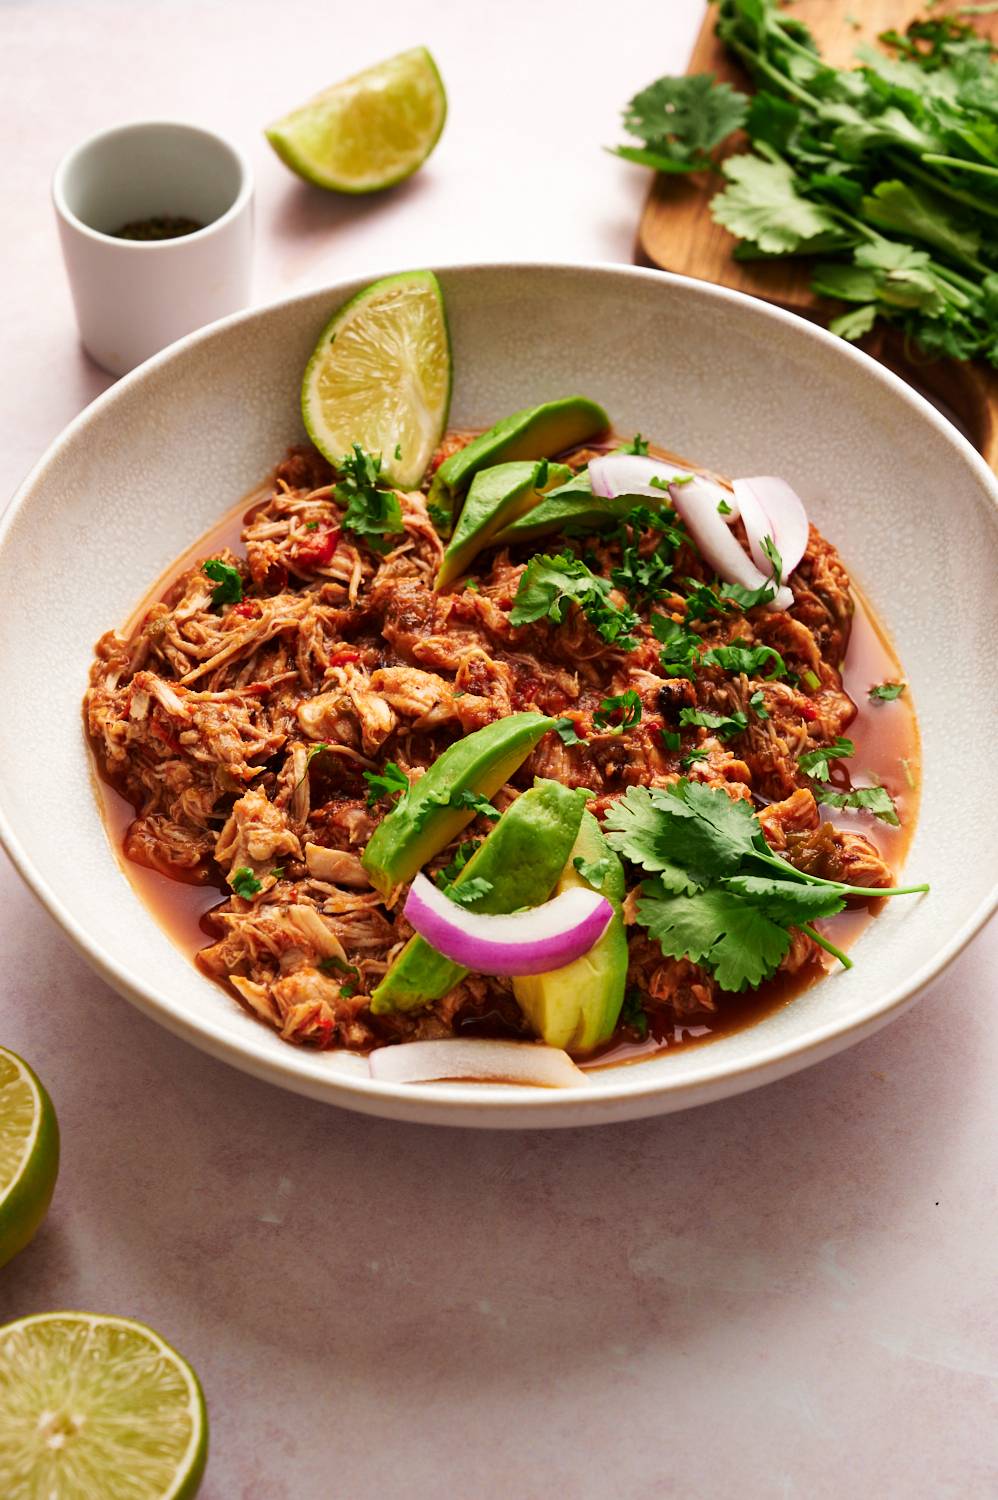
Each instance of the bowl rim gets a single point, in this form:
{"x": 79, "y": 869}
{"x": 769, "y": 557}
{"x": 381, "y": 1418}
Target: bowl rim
{"x": 476, "y": 1104}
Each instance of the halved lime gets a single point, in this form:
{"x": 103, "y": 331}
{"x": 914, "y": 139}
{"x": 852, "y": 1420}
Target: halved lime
{"x": 369, "y": 131}
{"x": 29, "y": 1154}
{"x": 380, "y": 376}
{"x": 97, "y": 1406}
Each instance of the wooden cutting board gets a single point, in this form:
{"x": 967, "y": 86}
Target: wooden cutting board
{"x": 677, "y": 232}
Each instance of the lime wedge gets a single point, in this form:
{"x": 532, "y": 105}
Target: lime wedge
{"x": 29, "y": 1154}
{"x": 380, "y": 376}
{"x": 97, "y": 1406}
{"x": 369, "y": 131}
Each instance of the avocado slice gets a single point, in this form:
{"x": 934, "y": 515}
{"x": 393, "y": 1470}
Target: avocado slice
{"x": 521, "y": 858}
{"x": 423, "y": 820}
{"x": 573, "y": 505}
{"x": 577, "y": 1007}
{"x": 497, "y": 496}
{"x": 535, "y": 432}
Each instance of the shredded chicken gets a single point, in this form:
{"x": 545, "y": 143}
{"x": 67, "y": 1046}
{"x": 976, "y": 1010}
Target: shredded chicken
{"x": 241, "y": 734}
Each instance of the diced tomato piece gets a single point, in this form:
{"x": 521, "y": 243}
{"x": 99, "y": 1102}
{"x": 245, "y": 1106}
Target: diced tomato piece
{"x": 248, "y": 609}
{"x": 342, "y": 656}
{"x": 808, "y": 712}
{"x": 318, "y": 547}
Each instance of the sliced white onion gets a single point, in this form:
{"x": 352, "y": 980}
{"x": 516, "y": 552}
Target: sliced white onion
{"x": 546, "y": 937}
{"x": 786, "y": 518}
{"x": 479, "y": 1060}
{"x": 697, "y": 503}
{"x": 631, "y": 474}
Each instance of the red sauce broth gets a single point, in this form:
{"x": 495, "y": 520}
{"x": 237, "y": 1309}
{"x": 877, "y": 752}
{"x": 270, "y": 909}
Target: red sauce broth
{"x": 887, "y": 750}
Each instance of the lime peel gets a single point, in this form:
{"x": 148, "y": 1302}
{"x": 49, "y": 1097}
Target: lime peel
{"x": 88, "y": 1396}
{"x": 380, "y": 376}
{"x": 29, "y": 1154}
{"x": 368, "y": 132}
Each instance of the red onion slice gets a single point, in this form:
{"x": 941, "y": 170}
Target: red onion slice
{"x": 546, "y": 937}
{"x": 697, "y": 503}
{"x": 785, "y": 516}
{"x": 631, "y": 474}
{"x": 480, "y": 1061}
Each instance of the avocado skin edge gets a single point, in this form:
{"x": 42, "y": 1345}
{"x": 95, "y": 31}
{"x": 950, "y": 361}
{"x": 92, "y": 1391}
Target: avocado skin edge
{"x": 523, "y": 857}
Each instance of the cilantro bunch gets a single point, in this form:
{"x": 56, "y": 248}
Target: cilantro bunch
{"x": 891, "y": 168}
{"x": 713, "y": 891}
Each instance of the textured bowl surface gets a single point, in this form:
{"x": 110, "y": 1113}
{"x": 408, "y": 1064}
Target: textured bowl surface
{"x": 741, "y": 386}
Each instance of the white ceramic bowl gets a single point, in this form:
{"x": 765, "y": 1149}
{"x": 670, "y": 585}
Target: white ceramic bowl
{"x": 148, "y": 467}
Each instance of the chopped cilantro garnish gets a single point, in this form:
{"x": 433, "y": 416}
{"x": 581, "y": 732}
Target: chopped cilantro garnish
{"x": 622, "y": 712}
{"x": 775, "y": 560}
{"x": 886, "y": 692}
{"x": 723, "y": 508}
{"x": 227, "y": 579}
{"x": 757, "y": 702}
{"x": 372, "y": 512}
{"x": 245, "y": 883}
{"x": 479, "y": 804}
{"x": 333, "y": 964}
{"x": 815, "y": 763}
{"x": 638, "y": 444}
{"x": 747, "y": 659}
{"x": 549, "y": 585}
{"x": 872, "y": 799}
{"x": 451, "y": 871}
{"x": 725, "y": 726}
{"x": 390, "y": 782}
{"x": 679, "y": 656}
{"x": 398, "y": 452}
{"x": 671, "y": 740}
{"x": 713, "y": 890}
{"x": 567, "y": 732}
{"x": 691, "y": 757}
{"x": 470, "y": 890}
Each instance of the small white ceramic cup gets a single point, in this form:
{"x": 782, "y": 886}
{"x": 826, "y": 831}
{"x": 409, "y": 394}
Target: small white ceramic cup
{"x": 133, "y": 297}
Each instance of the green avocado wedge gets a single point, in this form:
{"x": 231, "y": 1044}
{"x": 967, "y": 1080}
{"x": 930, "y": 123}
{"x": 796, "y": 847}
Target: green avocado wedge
{"x": 424, "y": 819}
{"x": 577, "y": 1007}
{"x": 535, "y": 432}
{"x": 572, "y": 506}
{"x": 497, "y": 496}
{"x": 521, "y": 859}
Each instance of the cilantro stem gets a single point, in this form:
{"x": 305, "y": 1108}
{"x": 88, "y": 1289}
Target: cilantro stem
{"x": 940, "y": 186}
{"x": 823, "y": 942}
{"x": 871, "y": 892}
{"x": 933, "y": 159}
{"x": 757, "y": 61}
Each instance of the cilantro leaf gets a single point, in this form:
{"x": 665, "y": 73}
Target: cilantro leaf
{"x": 470, "y": 890}
{"x": 681, "y": 120}
{"x": 549, "y": 585}
{"x": 887, "y": 692}
{"x": 227, "y": 579}
{"x": 728, "y": 934}
{"x": 686, "y": 834}
{"x": 815, "y": 763}
{"x": 567, "y": 732}
{"x": 372, "y": 512}
{"x": 747, "y": 659}
{"x": 725, "y": 726}
{"x": 245, "y": 883}
{"x": 390, "y": 782}
{"x": 479, "y": 804}
{"x": 762, "y": 203}
{"x": 452, "y": 870}
{"x": 632, "y": 828}
{"x": 873, "y": 799}
{"x": 786, "y": 899}
{"x": 638, "y": 444}
{"x": 623, "y": 712}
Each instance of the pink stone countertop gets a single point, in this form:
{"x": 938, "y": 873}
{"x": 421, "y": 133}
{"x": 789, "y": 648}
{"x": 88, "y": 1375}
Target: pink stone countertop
{"x": 786, "y": 1295}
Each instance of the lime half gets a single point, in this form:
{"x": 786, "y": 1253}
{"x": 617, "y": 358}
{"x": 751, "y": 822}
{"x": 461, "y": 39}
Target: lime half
{"x": 380, "y": 376}
{"x": 369, "y": 131}
{"x": 29, "y": 1154}
{"x": 97, "y": 1406}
